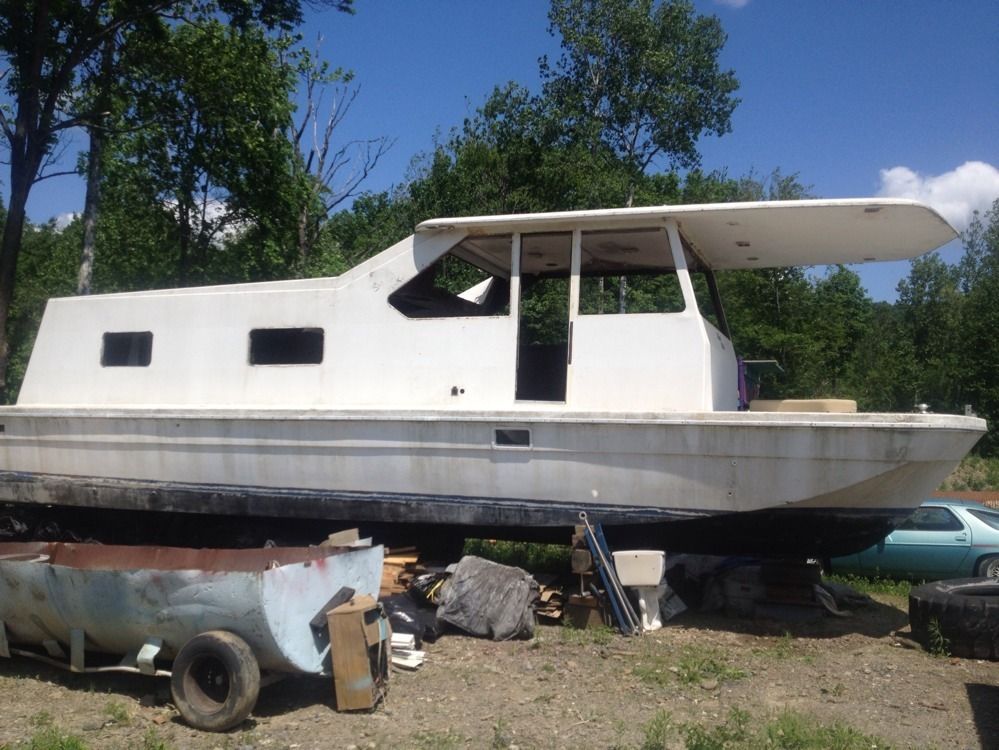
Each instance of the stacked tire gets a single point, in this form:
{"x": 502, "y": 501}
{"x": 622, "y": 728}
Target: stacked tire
{"x": 963, "y": 611}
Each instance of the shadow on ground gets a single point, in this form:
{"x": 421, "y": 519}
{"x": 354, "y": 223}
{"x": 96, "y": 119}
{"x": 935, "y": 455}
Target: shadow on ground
{"x": 876, "y": 620}
{"x": 984, "y": 700}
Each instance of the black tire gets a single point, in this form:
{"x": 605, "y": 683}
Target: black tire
{"x": 215, "y": 681}
{"x": 965, "y": 612}
{"x": 988, "y": 567}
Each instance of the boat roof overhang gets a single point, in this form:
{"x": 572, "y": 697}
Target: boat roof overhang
{"x": 755, "y": 234}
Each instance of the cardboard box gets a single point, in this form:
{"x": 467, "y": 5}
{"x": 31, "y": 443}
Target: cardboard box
{"x": 360, "y": 649}
{"x": 584, "y": 611}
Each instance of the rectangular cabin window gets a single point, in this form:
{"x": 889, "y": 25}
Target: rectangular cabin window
{"x": 286, "y": 346}
{"x": 127, "y": 349}
{"x": 471, "y": 280}
{"x": 628, "y": 271}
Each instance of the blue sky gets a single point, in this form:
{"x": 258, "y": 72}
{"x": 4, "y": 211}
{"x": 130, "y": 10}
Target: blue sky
{"x": 882, "y": 97}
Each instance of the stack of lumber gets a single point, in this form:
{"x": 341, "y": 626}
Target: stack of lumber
{"x": 400, "y": 567}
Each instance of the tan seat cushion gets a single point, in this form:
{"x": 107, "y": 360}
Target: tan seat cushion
{"x": 828, "y": 405}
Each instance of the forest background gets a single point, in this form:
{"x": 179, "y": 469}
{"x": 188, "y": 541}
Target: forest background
{"x": 201, "y": 169}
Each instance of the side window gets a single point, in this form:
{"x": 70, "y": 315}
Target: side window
{"x": 471, "y": 280}
{"x": 986, "y": 516}
{"x": 628, "y": 271}
{"x": 286, "y": 346}
{"x": 127, "y": 349}
{"x": 932, "y": 519}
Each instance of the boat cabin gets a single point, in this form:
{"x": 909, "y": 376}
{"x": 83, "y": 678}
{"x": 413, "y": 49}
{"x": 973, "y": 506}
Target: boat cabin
{"x": 596, "y": 311}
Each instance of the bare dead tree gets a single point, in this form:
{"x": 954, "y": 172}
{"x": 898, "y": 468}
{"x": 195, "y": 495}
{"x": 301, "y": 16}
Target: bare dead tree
{"x": 333, "y": 171}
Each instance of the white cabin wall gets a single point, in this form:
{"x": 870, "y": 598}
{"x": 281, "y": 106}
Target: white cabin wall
{"x": 724, "y": 370}
{"x": 639, "y": 362}
{"x": 373, "y": 355}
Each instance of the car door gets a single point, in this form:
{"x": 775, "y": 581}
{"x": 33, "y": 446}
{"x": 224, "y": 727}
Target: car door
{"x": 932, "y": 543}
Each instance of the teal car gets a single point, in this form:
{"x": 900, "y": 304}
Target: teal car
{"x": 942, "y": 539}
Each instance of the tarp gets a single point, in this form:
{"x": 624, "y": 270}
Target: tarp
{"x": 490, "y": 600}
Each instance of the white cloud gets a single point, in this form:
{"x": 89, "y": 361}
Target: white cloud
{"x": 64, "y": 220}
{"x": 733, "y": 3}
{"x": 973, "y": 186}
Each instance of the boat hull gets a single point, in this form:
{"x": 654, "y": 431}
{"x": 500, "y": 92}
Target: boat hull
{"x": 844, "y": 476}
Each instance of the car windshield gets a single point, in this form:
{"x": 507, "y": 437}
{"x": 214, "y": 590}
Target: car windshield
{"x": 989, "y": 517}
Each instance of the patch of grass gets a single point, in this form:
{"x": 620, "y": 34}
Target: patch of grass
{"x": 792, "y": 730}
{"x": 531, "y": 556}
{"x": 599, "y": 636}
{"x": 739, "y": 731}
{"x": 698, "y": 663}
{"x": 431, "y": 740}
{"x": 117, "y": 713}
{"x": 52, "y": 738}
{"x": 781, "y": 648}
{"x": 658, "y": 731}
{"x": 734, "y": 732}
{"x": 690, "y": 665}
{"x": 41, "y": 719}
{"x": 874, "y": 585}
{"x": 151, "y": 740}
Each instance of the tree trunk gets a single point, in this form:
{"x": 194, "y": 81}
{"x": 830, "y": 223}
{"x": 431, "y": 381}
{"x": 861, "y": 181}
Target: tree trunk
{"x": 10, "y": 247}
{"x": 91, "y": 206}
{"x": 95, "y": 166}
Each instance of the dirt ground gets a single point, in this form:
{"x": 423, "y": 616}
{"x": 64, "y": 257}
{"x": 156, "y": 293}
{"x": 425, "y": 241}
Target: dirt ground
{"x": 563, "y": 689}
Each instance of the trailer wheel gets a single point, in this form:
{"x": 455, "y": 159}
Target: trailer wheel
{"x": 964, "y": 611}
{"x": 215, "y": 681}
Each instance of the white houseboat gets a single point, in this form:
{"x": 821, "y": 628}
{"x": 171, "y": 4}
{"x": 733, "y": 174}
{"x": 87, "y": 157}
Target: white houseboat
{"x": 382, "y": 396}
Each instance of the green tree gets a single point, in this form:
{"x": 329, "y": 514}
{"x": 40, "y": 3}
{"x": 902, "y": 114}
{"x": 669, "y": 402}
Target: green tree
{"x": 839, "y": 317}
{"x": 640, "y": 79}
{"x": 930, "y": 304}
{"x": 46, "y": 46}
{"x": 979, "y": 343}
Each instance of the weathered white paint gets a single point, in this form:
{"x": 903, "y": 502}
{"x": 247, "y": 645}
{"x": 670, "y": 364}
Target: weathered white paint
{"x": 779, "y": 233}
{"x": 411, "y": 405}
{"x": 722, "y": 461}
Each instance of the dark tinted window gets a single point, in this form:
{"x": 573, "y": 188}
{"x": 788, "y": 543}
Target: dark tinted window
{"x": 932, "y": 519}
{"x": 127, "y": 349}
{"x": 286, "y": 346}
{"x": 517, "y": 438}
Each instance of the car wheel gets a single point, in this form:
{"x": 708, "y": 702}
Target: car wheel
{"x": 988, "y": 567}
{"x": 215, "y": 681}
{"x": 963, "y": 611}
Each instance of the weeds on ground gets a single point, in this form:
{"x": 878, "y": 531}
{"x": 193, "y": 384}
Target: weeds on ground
{"x": 117, "y": 713}
{"x": 874, "y": 585}
{"x": 600, "y": 636}
{"x": 447, "y": 740}
{"x": 532, "y": 556}
{"x": 50, "y": 737}
{"x": 152, "y": 741}
{"x": 658, "y": 731}
{"x": 936, "y": 643}
{"x": 502, "y": 737}
{"x": 788, "y": 731}
{"x": 690, "y": 665}
{"x": 780, "y": 649}
{"x": 41, "y": 719}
